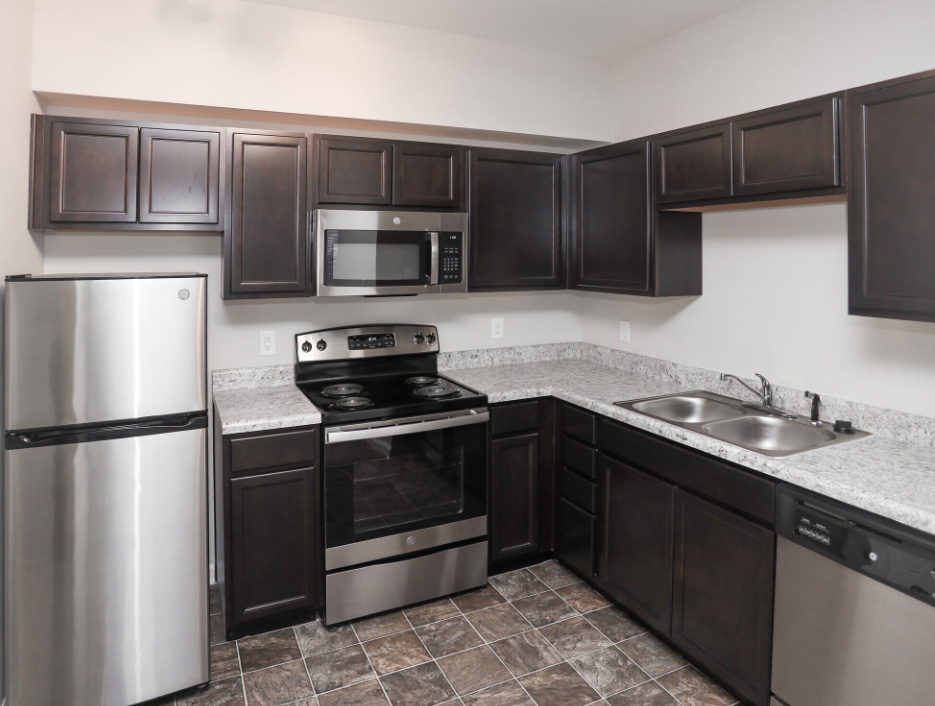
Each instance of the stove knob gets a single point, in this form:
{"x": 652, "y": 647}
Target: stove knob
{"x": 321, "y": 345}
{"x": 418, "y": 338}
{"x": 430, "y": 338}
{"x": 306, "y": 347}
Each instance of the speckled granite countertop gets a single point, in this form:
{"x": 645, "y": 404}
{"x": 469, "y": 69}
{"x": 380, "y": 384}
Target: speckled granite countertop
{"x": 891, "y": 474}
{"x": 889, "y": 477}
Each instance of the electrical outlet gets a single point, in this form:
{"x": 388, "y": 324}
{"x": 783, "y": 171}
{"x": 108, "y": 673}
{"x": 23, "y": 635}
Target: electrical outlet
{"x": 267, "y": 343}
{"x": 625, "y": 331}
{"x": 496, "y": 328}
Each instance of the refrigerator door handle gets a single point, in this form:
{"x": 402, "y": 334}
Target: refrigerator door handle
{"x": 31, "y": 439}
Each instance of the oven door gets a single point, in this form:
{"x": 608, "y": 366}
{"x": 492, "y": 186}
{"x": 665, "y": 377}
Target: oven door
{"x": 400, "y": 486}
{"x": 369, "y": 262}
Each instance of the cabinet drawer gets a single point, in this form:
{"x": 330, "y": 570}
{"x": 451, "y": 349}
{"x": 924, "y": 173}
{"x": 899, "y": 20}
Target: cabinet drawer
{"x": 723, "y": 482}
{"x": 579, "y": 458}
{"x": 580, "y": 424}
{"x": 579, "y": 490}
{"x": 514, "y": 418}
{"x": 282, "y": 449}
{"x": 575, "y": 544}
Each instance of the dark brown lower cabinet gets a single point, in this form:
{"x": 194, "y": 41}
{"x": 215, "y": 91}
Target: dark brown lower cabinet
{"x": 723, "y": 594}
{"x": 267, "y": 526}
{"x": 635, "y": 567}
{"x": 271, "y": 549}
{"x": 520, "y": 480}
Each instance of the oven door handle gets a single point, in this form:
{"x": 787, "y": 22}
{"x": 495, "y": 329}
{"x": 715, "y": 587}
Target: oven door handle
{"x": 401, "y": 427}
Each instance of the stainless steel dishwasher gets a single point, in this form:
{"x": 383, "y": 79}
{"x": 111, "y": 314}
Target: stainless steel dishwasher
{"x": 854, "y": 621}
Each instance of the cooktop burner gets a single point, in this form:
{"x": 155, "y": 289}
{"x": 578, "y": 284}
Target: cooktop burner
{"x": 421, "y": 380}
{"x": 351, "y": 403}
{"x": 348, "y": 389}
{"x": 436, "y": 392}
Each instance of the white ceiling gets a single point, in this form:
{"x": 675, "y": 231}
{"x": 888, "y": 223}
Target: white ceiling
{"x": 603, "y": 29}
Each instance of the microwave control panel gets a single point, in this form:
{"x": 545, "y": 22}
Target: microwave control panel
{"x": 450, "y": 258}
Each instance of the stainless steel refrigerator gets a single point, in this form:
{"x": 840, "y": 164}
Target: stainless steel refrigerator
{"x": 105, "y": 497}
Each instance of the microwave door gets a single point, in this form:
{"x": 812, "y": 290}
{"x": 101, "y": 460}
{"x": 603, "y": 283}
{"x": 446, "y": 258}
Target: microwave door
{"x": 375, "y": 262}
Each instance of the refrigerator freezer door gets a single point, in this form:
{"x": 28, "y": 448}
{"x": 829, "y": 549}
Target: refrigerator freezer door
{"x": 82, "y": 351}
{"x": 106, "y": 570}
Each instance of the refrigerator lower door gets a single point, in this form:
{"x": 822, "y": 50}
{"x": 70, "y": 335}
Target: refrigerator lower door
{"x": 106, "y": 570}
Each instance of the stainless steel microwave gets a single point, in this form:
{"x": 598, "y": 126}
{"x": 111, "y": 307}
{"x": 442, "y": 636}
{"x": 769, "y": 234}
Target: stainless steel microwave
{"x": 384, "y": 253}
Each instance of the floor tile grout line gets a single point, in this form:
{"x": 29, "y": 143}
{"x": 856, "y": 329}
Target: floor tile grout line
{"x": 434, "y": 659}
{"x": 305, "y": 664}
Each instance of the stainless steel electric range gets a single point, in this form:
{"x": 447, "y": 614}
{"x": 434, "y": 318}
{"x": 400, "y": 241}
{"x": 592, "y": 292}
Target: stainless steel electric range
{"x": 404, "y": 465}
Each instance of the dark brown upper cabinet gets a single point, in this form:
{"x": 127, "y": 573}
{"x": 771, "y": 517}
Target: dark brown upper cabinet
{"x": 693, "y": 164}
{"x": 516, "y": 220}
{"x": 355, "y": 170}
{"x": 365, "y": 171}
{"x": 93, "y": 176}
{"x": 179, "y": 176}
{"x": 428, "y": 175}
{"x": 619, "y": 244}
{"x": 890, "y": 209}
{"x": 266, "y": 248}
{"x": 105, "y": 175}
{"x": 788, "y": 149}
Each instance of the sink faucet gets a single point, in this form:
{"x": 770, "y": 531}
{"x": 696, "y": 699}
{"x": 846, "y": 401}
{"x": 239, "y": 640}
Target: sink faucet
{"x": 765, "y": 394}
{"x": 816, "y": 402}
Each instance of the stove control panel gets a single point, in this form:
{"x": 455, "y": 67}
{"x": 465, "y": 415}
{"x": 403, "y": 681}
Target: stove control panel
{"x": 365, "y": 342}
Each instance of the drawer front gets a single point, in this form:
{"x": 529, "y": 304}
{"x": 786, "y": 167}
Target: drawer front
{"x": 579, "y": 490}
{"x": 580, "y": 424}
{"x": 514, "y": 418}
{"x": 579, "y": 458}
{"x": 577, "y": 533}
{"x": 279, "y": 450}
{"x": 738, "y": 488}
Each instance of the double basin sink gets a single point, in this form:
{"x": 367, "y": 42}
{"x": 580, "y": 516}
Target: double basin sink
{"x": 726, "y": 419}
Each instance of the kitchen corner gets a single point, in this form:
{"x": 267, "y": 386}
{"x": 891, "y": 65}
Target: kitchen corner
{"x": 891, "y": 473}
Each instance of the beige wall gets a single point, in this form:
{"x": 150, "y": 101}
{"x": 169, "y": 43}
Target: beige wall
{"x": 775, "y": 280}
{"x": 236, "y": 54}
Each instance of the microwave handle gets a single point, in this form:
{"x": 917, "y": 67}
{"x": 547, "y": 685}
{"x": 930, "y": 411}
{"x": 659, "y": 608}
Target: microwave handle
{"x": 433, "y": 266}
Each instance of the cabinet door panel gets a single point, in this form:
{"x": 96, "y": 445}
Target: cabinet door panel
{"x": 612, "y": 218}
{"x": 514, "y": 475}
{"x": 516, "y": 220}
{"x": 575, "y": 538}
{"x": 693, "y": 165}
{"x": 355, "y": 170}
{"x": 723, "y": 594}
{"x": 94, "y": 173}
{"x": 428, "y": 175}
{"x": 179, "y": 176}
{"x": 271, "y": 544}
{"x": 268, "y": 234}
{"x": 787, "y": 150}
{"x": 636, "y": 542}
{"x": 890, "y": 209}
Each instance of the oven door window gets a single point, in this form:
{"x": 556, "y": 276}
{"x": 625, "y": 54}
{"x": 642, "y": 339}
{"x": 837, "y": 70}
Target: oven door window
{"x": 386, "y": 486}
{"x": 374, "y": 258}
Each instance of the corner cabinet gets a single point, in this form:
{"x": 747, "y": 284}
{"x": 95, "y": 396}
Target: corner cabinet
{"x": 267, "y": 251}
{"x": 267, "y": 525}
{"x": 365, "y": 171}
{"x": 890, "y": 208}
{"x": 520, "y": 479}
{"x": 620, "y": 244}
{"x": 516, "y": 220}
{"x": 107, "y": 175}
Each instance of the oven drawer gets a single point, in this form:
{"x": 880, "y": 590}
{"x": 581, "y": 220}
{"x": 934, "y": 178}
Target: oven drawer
{"x": 372, "y": 589}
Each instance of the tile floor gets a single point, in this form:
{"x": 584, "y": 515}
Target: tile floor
{"x": 536, "y": 636}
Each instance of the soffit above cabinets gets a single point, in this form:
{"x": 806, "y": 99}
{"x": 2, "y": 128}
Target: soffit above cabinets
{"x": 600, "y": 29}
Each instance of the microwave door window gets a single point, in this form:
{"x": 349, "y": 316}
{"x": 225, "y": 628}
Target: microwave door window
{"x": 375, "y": 258}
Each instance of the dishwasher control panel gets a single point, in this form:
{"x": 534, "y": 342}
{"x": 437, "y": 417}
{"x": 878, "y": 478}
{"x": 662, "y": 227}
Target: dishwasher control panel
{"x": 872, "y": 545}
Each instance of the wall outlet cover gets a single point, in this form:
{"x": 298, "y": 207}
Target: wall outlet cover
{"x": 267, "y": 343}
{"x": 496, "y": 328}
{"x": 625, "y": 331}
